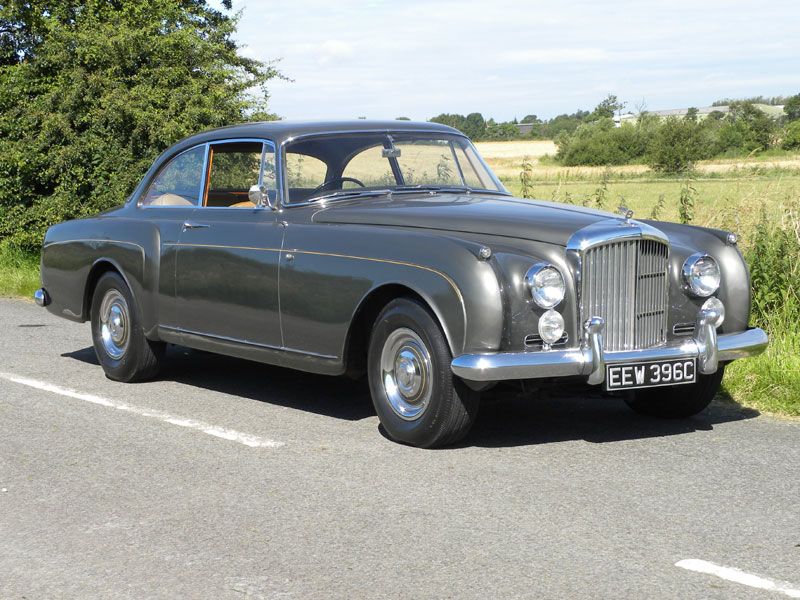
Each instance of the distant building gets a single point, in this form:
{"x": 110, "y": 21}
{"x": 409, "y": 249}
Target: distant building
{"x": 524, "y": 128}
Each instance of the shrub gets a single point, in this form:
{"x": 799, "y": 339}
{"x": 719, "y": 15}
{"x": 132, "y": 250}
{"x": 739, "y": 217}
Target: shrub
{"x": 600, "y": 143}
{"x": 773, "y": 255}
{"x": 791, "y": 136}
{"x": 674, "y": 146}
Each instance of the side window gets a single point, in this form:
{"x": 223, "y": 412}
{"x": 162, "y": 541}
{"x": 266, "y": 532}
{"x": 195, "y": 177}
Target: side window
{"x": 178, "y": 183}
{"x": 370, "y": 168}
{"x": 233, "y": 168}
{"x": 303, "y": 174}
{"x": 465, "y": 162}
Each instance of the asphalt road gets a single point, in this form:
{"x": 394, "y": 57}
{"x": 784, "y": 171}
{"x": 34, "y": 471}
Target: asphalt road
{"x": 229, "y": 479}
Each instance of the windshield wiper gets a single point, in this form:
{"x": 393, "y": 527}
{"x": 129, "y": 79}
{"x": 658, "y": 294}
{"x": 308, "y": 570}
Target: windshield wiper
{"x": 342, "y": 194}
{"x": 443, "y": 189}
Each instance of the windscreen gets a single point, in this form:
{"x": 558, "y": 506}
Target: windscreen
{"x": 345, "y": 165}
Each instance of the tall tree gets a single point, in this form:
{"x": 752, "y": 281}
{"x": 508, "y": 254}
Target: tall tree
{"x": 91, "y": 92}
{"x": 792, "y": 108}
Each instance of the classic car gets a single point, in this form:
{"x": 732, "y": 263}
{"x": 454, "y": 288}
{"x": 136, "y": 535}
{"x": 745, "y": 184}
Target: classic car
{"x": 390, "y": 250}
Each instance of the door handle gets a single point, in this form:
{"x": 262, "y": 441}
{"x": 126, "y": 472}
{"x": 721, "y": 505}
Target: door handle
{"x": 188, "y": 225}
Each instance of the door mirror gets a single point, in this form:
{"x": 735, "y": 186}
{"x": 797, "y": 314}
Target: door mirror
{"x": 259, "y": 196}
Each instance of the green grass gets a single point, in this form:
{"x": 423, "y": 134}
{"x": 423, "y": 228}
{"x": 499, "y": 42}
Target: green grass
{"x": 770, "y": 382}
{"x": 19, "y": 272}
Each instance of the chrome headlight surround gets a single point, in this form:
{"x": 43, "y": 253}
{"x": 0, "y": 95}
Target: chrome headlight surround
{"x": 701, "y": 274}
{"x": 546, "y": 285}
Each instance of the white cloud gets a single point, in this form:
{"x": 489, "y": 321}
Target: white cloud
{"x": 335, "y": 50}
{"x": 555, "y": 55}
{"x": 418, "y": 58}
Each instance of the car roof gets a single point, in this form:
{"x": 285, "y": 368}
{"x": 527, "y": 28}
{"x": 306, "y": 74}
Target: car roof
{"x": 281, "y": 131}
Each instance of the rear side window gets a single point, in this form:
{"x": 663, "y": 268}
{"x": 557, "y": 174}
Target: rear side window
{"x": 179, "y": 182}
{"x": 234, "y": 168}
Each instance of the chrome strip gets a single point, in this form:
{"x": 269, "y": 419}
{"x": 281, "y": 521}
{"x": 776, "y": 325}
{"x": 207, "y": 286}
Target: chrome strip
{"x": 501, "y": 366}
{"x": 223, "y": 338}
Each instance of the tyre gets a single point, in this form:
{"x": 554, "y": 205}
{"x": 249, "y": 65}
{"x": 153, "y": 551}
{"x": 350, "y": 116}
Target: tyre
{"x": 119, "y": 341}
{"x": 677, "y": 401}
{"x": 418, "y": 399}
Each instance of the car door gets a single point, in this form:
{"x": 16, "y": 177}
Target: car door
{"x": 226, "y": 272}
{"x": 168, "y": 201}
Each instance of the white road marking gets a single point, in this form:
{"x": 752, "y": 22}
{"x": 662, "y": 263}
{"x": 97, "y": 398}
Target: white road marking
{"x": 737, "y": 576}
{"x": 247, "y": 439}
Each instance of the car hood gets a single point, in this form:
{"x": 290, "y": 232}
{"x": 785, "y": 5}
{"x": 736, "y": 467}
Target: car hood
{"x": 493, "y": 215}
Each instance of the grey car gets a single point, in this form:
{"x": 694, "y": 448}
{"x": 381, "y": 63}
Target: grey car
{"x": 389, "y": 249}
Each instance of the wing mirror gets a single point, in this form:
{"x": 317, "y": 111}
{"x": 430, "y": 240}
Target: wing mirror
{"x": 259, "y": 196}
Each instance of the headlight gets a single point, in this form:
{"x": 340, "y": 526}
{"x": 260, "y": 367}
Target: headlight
{"x": 717, "y": 305}
{"x": 701, "y": 274}
{"x": 545, "y": 284}
{"x": 551, "y": 327}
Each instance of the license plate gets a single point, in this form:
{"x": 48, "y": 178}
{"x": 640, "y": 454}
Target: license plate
{"x": 650, "y": 374}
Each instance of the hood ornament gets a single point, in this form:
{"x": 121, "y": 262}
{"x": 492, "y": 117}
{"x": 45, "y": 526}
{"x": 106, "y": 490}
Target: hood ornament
{"x": 626, "y": 214}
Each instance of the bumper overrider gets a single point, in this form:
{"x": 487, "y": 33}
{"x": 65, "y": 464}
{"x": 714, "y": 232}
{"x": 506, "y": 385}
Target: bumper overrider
{"x": 590, "y": 360}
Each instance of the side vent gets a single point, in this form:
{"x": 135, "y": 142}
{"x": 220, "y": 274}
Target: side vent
{"x": 534, "y": 341}
{"x": 683, "y": 329}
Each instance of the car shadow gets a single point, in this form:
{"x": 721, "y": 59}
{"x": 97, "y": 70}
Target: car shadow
{"x": 506, "y": 419}
{"x": 335, "y": 397}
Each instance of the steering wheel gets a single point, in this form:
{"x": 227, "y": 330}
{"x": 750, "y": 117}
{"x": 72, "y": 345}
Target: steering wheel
{"x": 327, "y": 184}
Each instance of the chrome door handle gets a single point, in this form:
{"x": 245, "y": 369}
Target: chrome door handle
{"x": 188, "y": 225}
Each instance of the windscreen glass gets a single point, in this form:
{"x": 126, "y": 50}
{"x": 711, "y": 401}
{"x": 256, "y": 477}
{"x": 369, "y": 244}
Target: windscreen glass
{"x": 331, "y": 166}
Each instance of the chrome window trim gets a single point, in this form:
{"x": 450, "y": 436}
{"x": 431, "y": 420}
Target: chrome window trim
{"x": 167, "y": 162}
{"x": 207, "y": 146}
{"x": 285, "y": 190}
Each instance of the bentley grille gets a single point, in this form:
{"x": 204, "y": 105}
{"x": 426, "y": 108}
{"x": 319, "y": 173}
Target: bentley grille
{"x": 625, "y": 283}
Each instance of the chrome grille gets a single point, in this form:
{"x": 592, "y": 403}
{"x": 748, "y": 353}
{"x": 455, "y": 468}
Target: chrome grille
{"x": 625, "y": 283}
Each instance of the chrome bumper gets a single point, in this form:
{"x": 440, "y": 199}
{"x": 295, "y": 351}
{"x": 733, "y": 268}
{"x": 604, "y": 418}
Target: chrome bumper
{"x": 590, "y": 360}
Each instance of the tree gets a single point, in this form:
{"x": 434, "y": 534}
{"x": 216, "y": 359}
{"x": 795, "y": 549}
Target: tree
{"x": 674, "y": 146}
{"x": 530, "y": 119}
{"x": 792, "y": 108}
{"x": 92, "y": 91}
{"x": 791, "y": 138}
{"x": 474, "y": 126}
{"x": 607, "y": 108}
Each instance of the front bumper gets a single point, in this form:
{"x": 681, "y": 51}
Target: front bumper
{"x": 590, "y": 360}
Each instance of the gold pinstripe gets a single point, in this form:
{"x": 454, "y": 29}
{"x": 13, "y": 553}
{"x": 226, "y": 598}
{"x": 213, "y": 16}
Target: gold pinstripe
{"x": 444, "y": 276}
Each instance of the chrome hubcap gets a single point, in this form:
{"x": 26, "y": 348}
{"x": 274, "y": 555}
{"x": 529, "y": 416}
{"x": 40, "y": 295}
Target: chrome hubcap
{"x": 114, "y": 324}
{"x": 406, "y": 373}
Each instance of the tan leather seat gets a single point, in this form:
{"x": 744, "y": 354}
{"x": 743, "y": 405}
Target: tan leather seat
{"x": 245, "y": 204}
{"x": 171, "y": 200}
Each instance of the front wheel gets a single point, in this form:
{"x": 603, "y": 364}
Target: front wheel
{"x": 677, "y": 401}
{"x": 418, "y": 399}
{"x": 119, "y": 341}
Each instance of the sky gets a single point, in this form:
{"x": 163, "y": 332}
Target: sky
{"x": 511, "y": 58}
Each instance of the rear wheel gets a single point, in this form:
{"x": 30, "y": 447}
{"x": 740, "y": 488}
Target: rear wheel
{"x": 119, "y": 341}
{"x": 418, "y": 399}
{"x": 679, "y": 401}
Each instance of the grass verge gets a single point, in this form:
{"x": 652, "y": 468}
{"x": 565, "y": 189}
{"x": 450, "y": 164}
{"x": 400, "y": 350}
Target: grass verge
{"x": 19, "y": 272}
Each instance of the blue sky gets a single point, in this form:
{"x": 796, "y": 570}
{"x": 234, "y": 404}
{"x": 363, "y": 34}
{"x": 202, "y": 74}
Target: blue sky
{"x": 507, "y": 58}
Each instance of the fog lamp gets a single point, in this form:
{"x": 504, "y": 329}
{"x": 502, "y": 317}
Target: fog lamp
{"x": 551, "y": 327}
